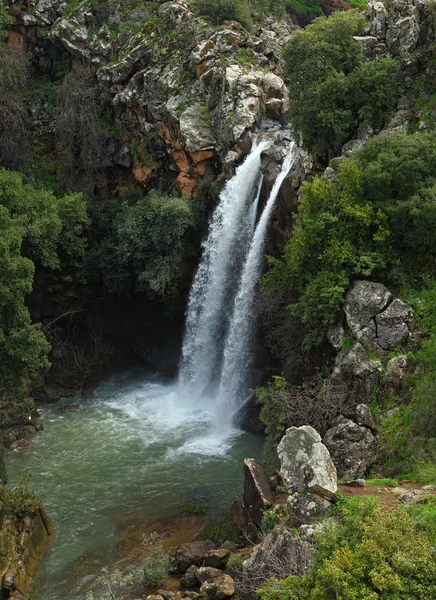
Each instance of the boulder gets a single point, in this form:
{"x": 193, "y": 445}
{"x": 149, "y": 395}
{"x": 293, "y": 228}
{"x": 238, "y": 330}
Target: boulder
{"x": 219, "y": 589}
{"x": 357, "y": 371}
{"x": 217, "y": 558}
{"x": 306, "y": 464}
{"x": 365, "y": 418}
{"x": 363, "y": 302}
{"x": 207, "y": 574}
{"x": 395, "y": 325}
{"x": 192, "y": 553}
{"x": 258, "y": 496}
{"x": 352, "y": 448}
{"x": 307, "y": 508}
{"x": 395, "y": 373}
{"x": 189, "y": 579}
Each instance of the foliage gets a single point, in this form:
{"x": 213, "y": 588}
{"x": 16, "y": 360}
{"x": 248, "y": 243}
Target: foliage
{"x": 387, "y": 482}
{"x": 235, "y": 562}
{"x": 21, "y": 499}
{"x": 373, "y": 553}
{"x": 226, "y": 10}
{"x": 373, "y": 222}
{"x": 143, "y": 244}
{"x": 325, "y": 64}
{"x": 220, "y": 531}
{"x": 117, "y": 585}
{"x": 425, "y": 472}
{"x": 423, "y": 515}
{"x": 36, "y": 229}
{"x": 194, "y": 509}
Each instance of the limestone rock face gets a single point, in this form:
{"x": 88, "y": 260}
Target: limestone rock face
{"x": 352, "y": 448}
{"x": 306, "y": 464}
{"x": 258, "y": 496}
{"x": 192, "y": 553}
{"x": 395, "y": 325}
{"x": 363, "y": 302}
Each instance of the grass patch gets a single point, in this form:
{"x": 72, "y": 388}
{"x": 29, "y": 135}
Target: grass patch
{"x": 220, "y": 531}
{"x": 193, "y": 509}
{"x": 423, "y": 515}
{"x": 388, "y": 482}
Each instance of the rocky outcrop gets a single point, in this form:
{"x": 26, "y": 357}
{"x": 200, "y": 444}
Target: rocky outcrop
{"x": 217, "y": 558}
{"x": 23, "y": 539}
{"x": 353, "y": 448}
{"x": 305, "y": 463}
{"x": 221, "y": 588}
{"x": 307, "y": 508}
{"x": 18, "y": 419}
{"x": 201, "y": 90}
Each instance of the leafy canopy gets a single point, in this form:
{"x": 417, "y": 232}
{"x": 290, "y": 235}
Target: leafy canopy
{"x": 332, "y": 88}
{"x": 35, "y": 228}
{"x": 375, "y": 221}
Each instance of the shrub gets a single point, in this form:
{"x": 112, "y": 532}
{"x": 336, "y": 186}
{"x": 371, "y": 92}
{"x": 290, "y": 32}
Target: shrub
{"x": 332, "y": 87}
{"x": 372, "y": 224}
{"x": 425, "y": 472}
{"x": 226, "y": 10}
{"x": 373, "y": 553}
{"x": 20, "y": 499}
{"x": 220, "y": 531}
{"x": 423, "y": 515}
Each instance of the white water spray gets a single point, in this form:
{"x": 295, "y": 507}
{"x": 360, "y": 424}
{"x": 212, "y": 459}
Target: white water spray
{"x": 238, "y": 345}
{"x": 229, "y": 235}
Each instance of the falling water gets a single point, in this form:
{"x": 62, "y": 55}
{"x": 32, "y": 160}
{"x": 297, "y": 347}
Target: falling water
{"x": 224, "y": 251}
{"x": 237, "y": 348}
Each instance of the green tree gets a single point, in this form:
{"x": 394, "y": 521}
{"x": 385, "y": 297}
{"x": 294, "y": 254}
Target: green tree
{"x": 144, "y": 244}
{"x": 373, "y": 222}
{"x": 332, "y": 88}
{"x": 36, "y": 228}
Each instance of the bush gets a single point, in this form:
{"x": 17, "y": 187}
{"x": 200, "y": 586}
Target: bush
{"x": 36, "y": 228}
{"x": 226, "y": 10}
{"x": 373, "y": 553}
{"x": 220, "y": 531}
{"x": 21, "y": 499}
{"x": 332, "y": 88}
{"x": 373, "y": 223}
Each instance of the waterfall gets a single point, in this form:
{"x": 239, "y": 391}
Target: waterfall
{"x": 238, "y": 346}
{"x": 224, "y": 251}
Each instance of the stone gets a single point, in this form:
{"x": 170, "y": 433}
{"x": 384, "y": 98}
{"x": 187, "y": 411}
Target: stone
{"x": 307, "y": 508}
{"x": 219, "y": 589}
{"x": 189, "y": 579}
{"x": 207, "y": 574}
{"x": 306, "y": 464}
{"x": 358, "y": 483}
{"x": 247, "y": 417}
{"x": 352, "y": 448}
{"x": 357, "y": 371}
{"x": 258, "y": 495}
{"x": 195, "y": 129}
{"x": 363, "y": 302}
{"x": 395, "y": 325}
{"x": 309, "y": 531}
{"x": 217, "y": 558}
{"x": 155, "y": 597}
{"x": 192, "y": 553}
{"x": 365, "y": 418}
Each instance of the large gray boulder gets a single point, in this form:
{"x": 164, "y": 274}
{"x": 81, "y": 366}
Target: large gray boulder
{"x": 306, "y": 464}
{"x": 352, "y": 447}
{"x": 395, "y": 326}
{"x": 192, "y": 553}
{"x": 363, "y": 302}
